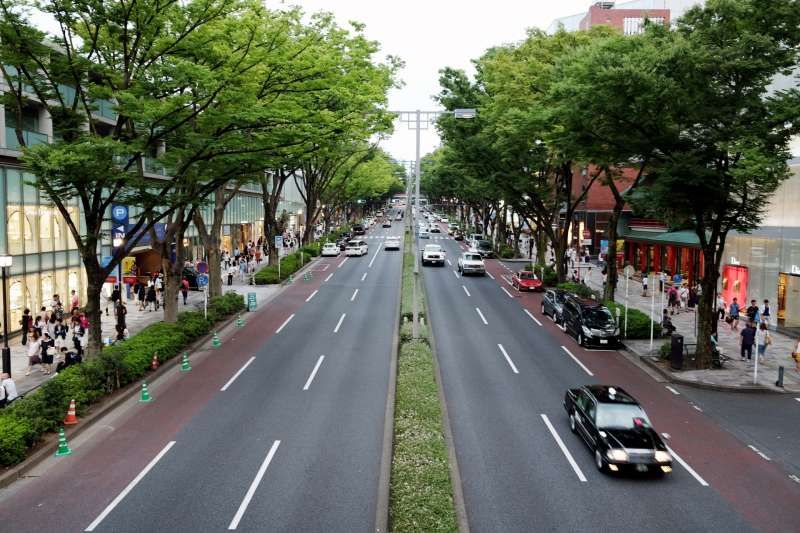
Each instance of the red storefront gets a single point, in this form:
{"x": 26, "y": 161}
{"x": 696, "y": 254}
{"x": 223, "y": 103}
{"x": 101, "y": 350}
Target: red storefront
{"x": 650, "y": 247}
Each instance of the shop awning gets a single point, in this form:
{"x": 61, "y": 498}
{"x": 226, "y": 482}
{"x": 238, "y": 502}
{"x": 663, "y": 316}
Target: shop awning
{"x": 677, "y": 238}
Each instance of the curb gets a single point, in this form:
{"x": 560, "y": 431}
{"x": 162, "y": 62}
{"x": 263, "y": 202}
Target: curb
{"x": 43, "y": 448}
{"x": 755, "y": 389}
{"x": 387, "y": 453}
{"x": 455, "y": 473}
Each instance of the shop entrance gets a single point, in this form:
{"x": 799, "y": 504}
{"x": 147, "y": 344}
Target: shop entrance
{"x": 789, "y": 301}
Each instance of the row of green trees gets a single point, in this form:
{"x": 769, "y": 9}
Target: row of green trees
{"x": 221, "y": 92}
{"x": 680, "y": 123}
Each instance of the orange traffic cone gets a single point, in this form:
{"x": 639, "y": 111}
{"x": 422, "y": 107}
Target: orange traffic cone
{"x": 71, "y": 418}
{"x": 154, "y": 362}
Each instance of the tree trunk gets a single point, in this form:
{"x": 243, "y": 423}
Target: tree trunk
{"x": 93, "y": 309}
{"x": 610, "y": 288}
{"x": 214, "y": 270}
{"x": 706, "y": 310}
{"x": 541, "y": 247}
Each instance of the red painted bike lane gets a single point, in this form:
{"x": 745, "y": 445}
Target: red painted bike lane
{"x": 72, "y": 491}
{"x": 759, "y": 490}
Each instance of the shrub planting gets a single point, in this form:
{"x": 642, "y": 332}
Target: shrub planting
{"x": 25, "y": 420}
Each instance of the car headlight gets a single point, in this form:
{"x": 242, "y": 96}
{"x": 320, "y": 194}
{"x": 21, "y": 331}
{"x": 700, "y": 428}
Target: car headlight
{"x": 586, "y": 331}
{"x": 619, "y": 456}
{"x": 662, "y": 457}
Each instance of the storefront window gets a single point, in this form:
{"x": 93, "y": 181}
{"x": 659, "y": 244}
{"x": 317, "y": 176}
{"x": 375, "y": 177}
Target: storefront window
{"x": 14, "y": 230}
{"x": 16, "y": 302}
{"x": 47, "y": 289}
{"x": 33, "y": 300}
{"x": 46, "y": 230}
{"x": 29, "y": 229}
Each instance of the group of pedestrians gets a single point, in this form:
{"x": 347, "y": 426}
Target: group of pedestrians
{"x": 49, "y": 336}
{"x": 755, "y": 334}
{"x": 149, "y": 294}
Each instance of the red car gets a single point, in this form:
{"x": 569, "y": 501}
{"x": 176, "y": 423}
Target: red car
{"x": 525, "y": 280}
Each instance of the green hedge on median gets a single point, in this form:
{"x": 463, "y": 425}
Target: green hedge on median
{"x": 289, "y": 265}
{"x": 24, "y": 421}
{"x": 638, "y": 322}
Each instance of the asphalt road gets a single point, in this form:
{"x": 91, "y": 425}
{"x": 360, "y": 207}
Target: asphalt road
{"x": 504, "y": 379}
{"x": 293, "y": 443}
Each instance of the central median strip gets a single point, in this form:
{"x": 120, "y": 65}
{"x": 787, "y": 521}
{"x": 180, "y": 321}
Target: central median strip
{"x": 421, "y": 487}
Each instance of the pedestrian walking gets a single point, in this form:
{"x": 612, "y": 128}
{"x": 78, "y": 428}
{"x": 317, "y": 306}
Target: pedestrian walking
{"x": 152, "y": 298}
{"x": 25, "y": 322}
{"x": 644, "y": 284}
{"x": 765, "y": 313}
{"x": 662, "y": 281}
{"x": 60, "y": 335}
{"x": 733, "y": 314}
{"x": 747, "y": 339}
{"x": 78, "y": 334}
{"x": 74, "y": 301}
{"x": 185, "y": 289}
{"x": 46, "y": 355}
{"x": 763, "y": 340}
{"x": 720, "y": 307}
{"x": 34, "y": 346}
{"x": 752, "y": 312}
{"x": 38, "y": 325}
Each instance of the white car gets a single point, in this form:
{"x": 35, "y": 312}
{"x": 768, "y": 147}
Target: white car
{"x": 423, "y": 233}
{"x": 471, "y": 263}
{"x": 356, "y": 248}
{"x": 444, "y": 220}
{"x": 330, "y": 249}
{"x": 433, "y": 254}
{"x": 391, "y": 243}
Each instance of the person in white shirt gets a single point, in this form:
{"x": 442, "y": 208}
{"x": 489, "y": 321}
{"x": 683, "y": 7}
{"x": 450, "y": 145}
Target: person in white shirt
{"x": 34, "y": 346}
{"x": 720, "y": 307}
{"x": 762, "y": 340}
{"x": 9, "y": 387}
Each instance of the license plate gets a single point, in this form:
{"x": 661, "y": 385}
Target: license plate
{"x": 641, "y": 468}
{"x": 603, "y": 341}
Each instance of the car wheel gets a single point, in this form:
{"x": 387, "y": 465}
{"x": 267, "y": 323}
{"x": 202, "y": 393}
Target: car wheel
{"x": 598, "y": 460}
{"x": 572, "y": 423}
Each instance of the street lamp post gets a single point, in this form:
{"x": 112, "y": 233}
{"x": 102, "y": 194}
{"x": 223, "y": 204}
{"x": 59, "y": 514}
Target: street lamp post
{"x": 415, "y": 120}
{"x": 5, "y": 262}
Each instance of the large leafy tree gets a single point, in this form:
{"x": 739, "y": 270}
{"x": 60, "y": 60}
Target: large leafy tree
{"x": 135, "y": 55}
{"x": 727, "y": 149}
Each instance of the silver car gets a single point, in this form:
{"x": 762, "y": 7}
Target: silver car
{"x": 471, "y": 263}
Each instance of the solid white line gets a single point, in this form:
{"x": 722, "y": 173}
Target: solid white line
{"x": 130, "y": 486}
{"x": 449, "y": 263}
{"x": 364, "y": 276}
{"x": 314, "y": 372}
{"x": 236, "y": 375}
{"x": 329, "y": 276}
{"x": 577, "y": 361}
{"x": 564, "y": 449}
{"x": 343, "y": 262}
{"x": 284, "y": 323}
{"x": 490, "y": 275}
{"x": 697, "y": 408}
{"x": 482, "y": 317}
{"x": 373, "y": 258}
{"x": 507, "y": 281}
{"x": 758, "y": 452}
{"x": 353, "y": 297}
{"x": 686, "y": 466}
{"x": 254, "y": 485}
{"x": 465, "y": 290}
{"x": 312, "y": 295}
{"x": 455, "y": 273}
{"x": 510, "y": 362}
{"x": 505, "y": 291}
{"x": 673, "y": 391}
{"x": 532, "y": 317}
{"x": 665, "y": 435}
{"x": 338, "y": 324}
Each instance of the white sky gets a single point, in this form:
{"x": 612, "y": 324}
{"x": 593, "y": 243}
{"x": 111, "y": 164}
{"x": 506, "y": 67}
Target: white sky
{"x": 429, "y": 35}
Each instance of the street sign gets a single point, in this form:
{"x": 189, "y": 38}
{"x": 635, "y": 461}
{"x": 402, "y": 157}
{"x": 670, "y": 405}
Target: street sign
{"x": 251, "y": 301}
{"x": 119, "y": 214}
{"x": 104, "y": 262}
{"x": 278, "y": 242}
{"x": 118, "y": 232}
{"x": 202, "y": 267}
{"x": 202, "y": 280}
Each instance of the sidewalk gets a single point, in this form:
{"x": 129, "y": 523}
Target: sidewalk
{"x": 736, "y": 374}
{"x": 136, "y": 321}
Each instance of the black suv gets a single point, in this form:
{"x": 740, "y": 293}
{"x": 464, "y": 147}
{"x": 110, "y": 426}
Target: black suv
{"x": 358, "y": 229}
{"x": 590, "y": 322}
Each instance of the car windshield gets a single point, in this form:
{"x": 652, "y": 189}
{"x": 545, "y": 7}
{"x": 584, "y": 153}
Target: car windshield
{"x": 597, "y": 317}
{"x": 433, "y": 248}
{"x": 353, "y": 244}
{"x": 620, "y": 416}
{"x": 484, "y": 244}
{"x": 472, "y": 257}
{"x": 524, "y": 274}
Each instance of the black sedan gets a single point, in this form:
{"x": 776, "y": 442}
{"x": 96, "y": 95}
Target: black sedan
{"x": 616, "y": 429}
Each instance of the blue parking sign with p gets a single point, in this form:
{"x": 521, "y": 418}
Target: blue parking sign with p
{"x": 119, "y": 213}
